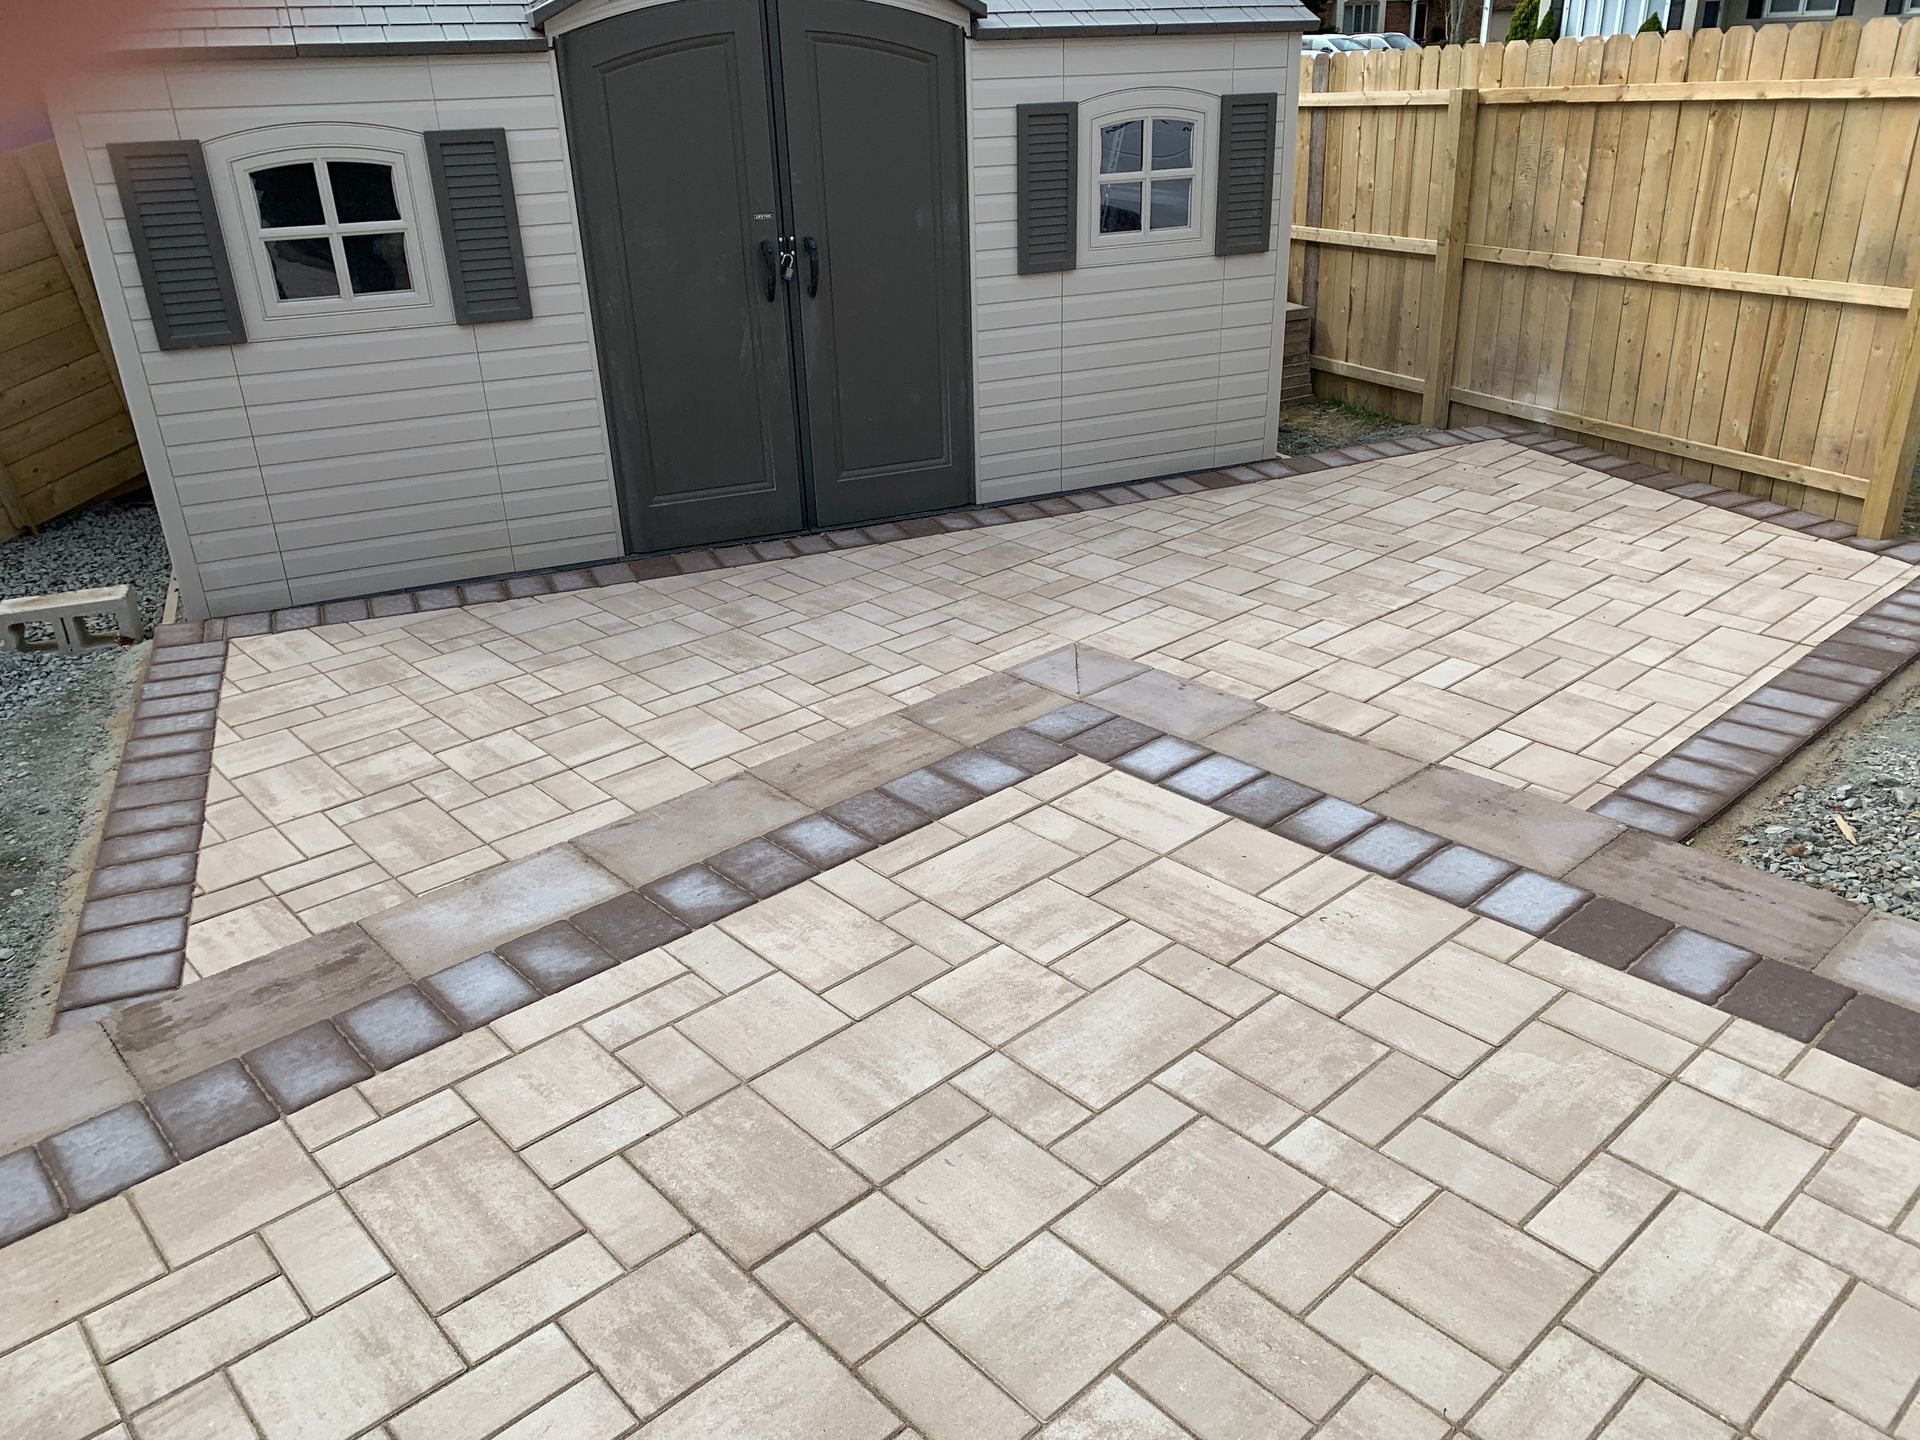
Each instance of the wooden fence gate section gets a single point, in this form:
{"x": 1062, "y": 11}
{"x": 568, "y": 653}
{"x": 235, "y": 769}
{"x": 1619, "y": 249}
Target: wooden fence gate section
{"x": 1699, "y": 250}
{"x": 65, "y": 435}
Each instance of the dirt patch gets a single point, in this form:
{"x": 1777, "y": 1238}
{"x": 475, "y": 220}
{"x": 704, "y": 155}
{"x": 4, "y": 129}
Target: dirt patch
{"x": 62, "y": 718}
{"x": 1843, "y": 814}
{"x": 1315, "y": 425}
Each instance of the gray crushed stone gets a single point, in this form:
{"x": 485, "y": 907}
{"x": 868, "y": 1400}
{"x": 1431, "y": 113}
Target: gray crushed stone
{"x": 57, "y": 740}
{"x": 1872, "y": 781}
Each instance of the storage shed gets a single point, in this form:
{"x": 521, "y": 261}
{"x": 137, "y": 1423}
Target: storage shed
{"x": 417, "y": 292}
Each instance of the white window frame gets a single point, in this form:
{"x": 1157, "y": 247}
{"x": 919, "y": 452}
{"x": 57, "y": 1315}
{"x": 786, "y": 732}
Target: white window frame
{"x": 234, "y": 159}
{"x": 1193, "y": 238}
{"x": 1803, "y": 9}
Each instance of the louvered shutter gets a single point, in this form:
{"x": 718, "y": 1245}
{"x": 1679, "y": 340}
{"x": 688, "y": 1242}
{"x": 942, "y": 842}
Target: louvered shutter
{"x": 176, "y": 243}
{"x": 1048, "y": 147}
{"x": 479, "y": 226}
{"x": 1243, "y": 221}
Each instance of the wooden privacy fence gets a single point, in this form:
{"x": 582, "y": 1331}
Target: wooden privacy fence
{"x": 65, "y": 435}
{"x": 1699, "y": 250}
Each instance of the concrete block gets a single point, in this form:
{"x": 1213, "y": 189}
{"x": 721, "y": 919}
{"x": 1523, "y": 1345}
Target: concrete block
{"x": 66, "y": 613}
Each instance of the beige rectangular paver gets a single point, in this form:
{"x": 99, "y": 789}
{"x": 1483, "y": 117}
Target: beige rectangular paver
{"x": 459, "y": 1214}
{"x": 1170, "y": 1223}
{"x": 1765, "y": 1297}
{"x": 346, "y": 1370}
{"x": 671, "y": 1323}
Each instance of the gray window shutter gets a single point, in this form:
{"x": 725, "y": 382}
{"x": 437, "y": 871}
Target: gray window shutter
{"x": 1048, "y": 150}
{"x": 176, "y": 242}
{"x": 1243, "y": 223}
{"x": 479, "y": 226}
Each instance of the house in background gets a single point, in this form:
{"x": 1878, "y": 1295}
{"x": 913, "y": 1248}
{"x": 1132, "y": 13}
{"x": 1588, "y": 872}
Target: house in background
{"x": 404, "y": 295}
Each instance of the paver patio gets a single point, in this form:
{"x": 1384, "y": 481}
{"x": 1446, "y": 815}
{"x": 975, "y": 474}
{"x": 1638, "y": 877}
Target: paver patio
{"x": 1084, "y": 1110}
{"x": 1500, "y": 609}
{"x": 881, "y": 1020}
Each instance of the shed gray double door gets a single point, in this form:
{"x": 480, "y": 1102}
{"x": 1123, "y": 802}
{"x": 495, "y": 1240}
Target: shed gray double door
{"x": 773, "y": 196}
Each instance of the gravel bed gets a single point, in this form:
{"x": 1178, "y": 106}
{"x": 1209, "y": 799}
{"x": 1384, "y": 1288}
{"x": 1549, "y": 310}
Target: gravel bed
{"x": 58, "y": 742}
{"x": 1311, "y": 426}
{"x": 1863, "y": 777}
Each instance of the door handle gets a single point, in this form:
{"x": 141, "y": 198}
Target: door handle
{"x": 812, "y": 247}
{"x": 770, "y": 259}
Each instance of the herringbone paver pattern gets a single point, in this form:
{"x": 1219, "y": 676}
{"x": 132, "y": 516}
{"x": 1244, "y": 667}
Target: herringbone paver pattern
{"x": 1501, "y": 609}
{"x": 1086, "y": 1111}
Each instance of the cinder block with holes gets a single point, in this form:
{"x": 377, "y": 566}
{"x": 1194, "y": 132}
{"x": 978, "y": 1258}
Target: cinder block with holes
{"x": 65, "y": 614}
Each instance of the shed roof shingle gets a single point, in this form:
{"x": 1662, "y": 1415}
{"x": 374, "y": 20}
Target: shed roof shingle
{"x": 249, "y": 27}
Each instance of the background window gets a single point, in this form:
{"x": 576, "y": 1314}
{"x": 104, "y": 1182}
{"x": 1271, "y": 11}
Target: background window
{"x": 332, "y": 229}
{"x": 1146, "y": 175}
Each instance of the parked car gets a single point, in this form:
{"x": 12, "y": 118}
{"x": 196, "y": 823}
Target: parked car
{"x": 1390, "y": 40}
{"x": 1329, "y": 44}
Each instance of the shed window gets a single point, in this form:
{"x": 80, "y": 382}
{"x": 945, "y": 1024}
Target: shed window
{"x": 1146, "y": 175}
{"x": 333, "y": 229}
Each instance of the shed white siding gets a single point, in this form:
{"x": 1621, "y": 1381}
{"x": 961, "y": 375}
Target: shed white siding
{"x": 1123, "y": 369}
{"x": 293, "y": 469}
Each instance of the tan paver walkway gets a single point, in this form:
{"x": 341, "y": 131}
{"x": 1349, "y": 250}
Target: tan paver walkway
{"x": 1510, "y": 612}
{"x": 1086, "y": 1111}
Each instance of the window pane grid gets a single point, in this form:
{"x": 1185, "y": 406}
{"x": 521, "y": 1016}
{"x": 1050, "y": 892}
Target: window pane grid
{"x": 362, "y": 268}
{"x": 1146, "y": 175}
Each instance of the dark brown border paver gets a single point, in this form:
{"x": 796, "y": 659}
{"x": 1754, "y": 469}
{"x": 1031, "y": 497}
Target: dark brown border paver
{"x": 479, "y": 991}
{"x": 1267, "y": 801}
{"x": 1786, "y": 998}
{"x": 99, "y": 1158}
{"x": 567, "y": 952}
{"x": 209, "y": 1109}
{"x": 308, "y": 1065}
{"x": 761, "y": 868}
{"x": 1608, "y": 931}
{"x": 397, "y": 1026}
{"x": 696, "y": 896}
{"x": 28, "y": 1201}
{"x": 1879, "y": 1035}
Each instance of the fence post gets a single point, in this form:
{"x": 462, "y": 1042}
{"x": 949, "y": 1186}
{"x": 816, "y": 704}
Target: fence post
{"x": 1320, "y": 71}
{"x": 1894, "y": 456}
{"x": 1443, "y": 318}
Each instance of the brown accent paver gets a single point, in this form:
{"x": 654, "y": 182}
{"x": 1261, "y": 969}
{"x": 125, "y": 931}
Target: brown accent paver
{"x": 1766, "y": 913}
